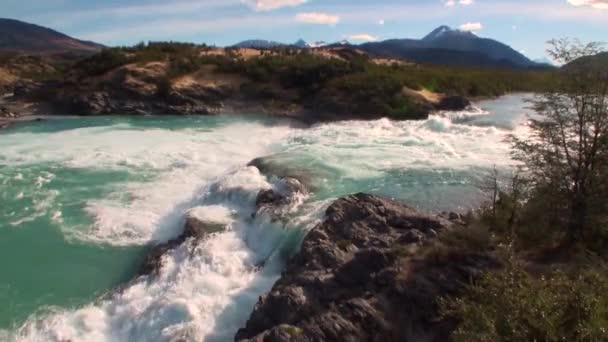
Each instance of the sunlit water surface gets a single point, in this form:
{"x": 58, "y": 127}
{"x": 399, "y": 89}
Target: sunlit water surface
{"x": 82, "y": 198}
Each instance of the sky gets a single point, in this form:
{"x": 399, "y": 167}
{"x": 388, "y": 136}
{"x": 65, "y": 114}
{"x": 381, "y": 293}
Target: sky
{"x": 526, "y": 25}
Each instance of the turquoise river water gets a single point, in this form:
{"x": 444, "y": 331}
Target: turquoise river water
{"x": 81, "y": 200}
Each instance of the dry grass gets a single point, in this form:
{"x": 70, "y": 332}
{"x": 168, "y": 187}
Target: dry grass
{"x": 244, "y": 53}
{"x": 423, "y": 94}
{"x": 391, "y": 61}
{"x": 6, "y": 77}
{"x": 208, "y": 77}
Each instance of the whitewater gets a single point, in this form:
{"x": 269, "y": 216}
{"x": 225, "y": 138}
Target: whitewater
{"x": 84, "y": 198}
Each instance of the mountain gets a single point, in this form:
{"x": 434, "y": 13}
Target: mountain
{"x": 318, "y": 44}
{"x": 445, "y": 45}
{"x": 302, "y": 44}
{"x": 269, "y": 44}
{"x": 446, "y": 32}
{"x": 20, "y": 36}
{"x": 544, "y": 60}
{"x": 599, "y": 62}
{"x": 258, "y": 44}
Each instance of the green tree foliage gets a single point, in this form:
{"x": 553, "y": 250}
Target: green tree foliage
{"x": 567, "y": 152}
{"x": 369, "y": 93}
{"x": 512, "y": 305}
{"x": 102, "y": 62}
{"x": 349, "y": 82}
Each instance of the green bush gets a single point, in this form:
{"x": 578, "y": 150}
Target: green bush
{"x": 102, "y": 62}
{"x": 512, "y": 305}
{"x": 473, "y": 238}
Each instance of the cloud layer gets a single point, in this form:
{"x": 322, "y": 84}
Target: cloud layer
{"x": 268, "y": 5}
{"x": 471, "y": 26}
{"x": 452, "y": 3}
{"x": 599, "y": 4}
{"x": 317, "y": 18}
{"x": 362, "y": 37}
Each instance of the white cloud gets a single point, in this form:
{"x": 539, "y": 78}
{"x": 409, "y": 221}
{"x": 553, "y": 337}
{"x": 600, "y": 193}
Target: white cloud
{"x": 363, "y": 37}
{"x": 599, "y": 4}
{"x": 171, "y": 29}
{"x": 381, "y": 22}
{"x": 514, "y": 27}
{"x": 268, "y": 5}
{"x": 453, "y": 3}
{"x": 318, "y": 18}
{"x": 476, "y": 26}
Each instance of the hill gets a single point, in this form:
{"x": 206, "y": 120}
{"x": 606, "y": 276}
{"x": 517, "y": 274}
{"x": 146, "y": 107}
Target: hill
{"x": 442, "y": 46}
{"x": 258, "y": 44}
{"x": 320, "y": 84}
{"x": 451, "y": 47}
{"x": 23, "y": 37}
{"x": 599, "y": 62}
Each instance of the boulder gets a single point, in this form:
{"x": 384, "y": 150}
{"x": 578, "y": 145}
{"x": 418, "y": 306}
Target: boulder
{"x": 350, "y": 281}
{"x": 25, "y": 88}
{"x": 194, "y": 228}
{"x": 272, "y": 167}
{"x": 277, "y": 200}
{"x": 453, "y": 103}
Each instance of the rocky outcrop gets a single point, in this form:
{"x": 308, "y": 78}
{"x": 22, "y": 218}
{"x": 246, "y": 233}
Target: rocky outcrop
{"x": 145, "y": 89}
{"x": 453, "y": 103}
{"x": 352, "y": 280}
{"x": 194, "y": 228}
{"x": 185, "y": 101}
{"x": 276, "y": 202}
{"x": 272, "y": 167}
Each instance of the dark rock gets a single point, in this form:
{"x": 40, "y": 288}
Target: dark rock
{"x": 453, "y": 103}
{"x": 274, "y": 202}
{"x": 349, "y": 281}
{"x": 413, "y": 236}
{"x": 268, "y": 197}
{"x": 194, "y": 228}
{"x": 87, "y": 104}
{"x": 273, "y": 168}
{"x": 25, "y": 88}
{"x": 363, "y": 266}
{"x": 5, "y": 112}
{"x": 454, "y": 216}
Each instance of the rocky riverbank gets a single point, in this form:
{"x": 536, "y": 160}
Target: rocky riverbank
{"x": 142, "y": 90}
{"x": 359, "y": 276}
{"x": 191, "y": 101}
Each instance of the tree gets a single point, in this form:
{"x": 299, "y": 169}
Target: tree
{"x": 567, "y": 150}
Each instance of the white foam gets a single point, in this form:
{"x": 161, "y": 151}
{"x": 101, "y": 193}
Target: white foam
{"x": 207, "y": 291}
{"x": 181, "y": 164}
{"x": 216, "y": 214}
{"x": 202, "y": 292}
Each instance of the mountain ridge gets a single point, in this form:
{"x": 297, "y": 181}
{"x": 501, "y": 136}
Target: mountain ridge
{"x": 20, "y": 36}
{"x": 443, "y": 45}
{"x": 481, "y": 51}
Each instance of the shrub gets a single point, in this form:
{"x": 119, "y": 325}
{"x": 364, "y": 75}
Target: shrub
{"x": 512, "y": 305}
{"x": 474, "y": 238}
{"x": 102, "y": 62}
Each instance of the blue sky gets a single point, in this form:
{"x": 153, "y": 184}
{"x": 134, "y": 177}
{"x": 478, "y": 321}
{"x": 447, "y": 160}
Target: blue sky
{"x": 524, "y": 24}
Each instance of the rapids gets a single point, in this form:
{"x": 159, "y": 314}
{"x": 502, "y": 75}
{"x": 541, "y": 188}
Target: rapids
{"x": 83, "y": 197}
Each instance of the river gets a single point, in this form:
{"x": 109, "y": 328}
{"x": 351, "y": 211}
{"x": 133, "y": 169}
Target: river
{"x": 81, "y": 198}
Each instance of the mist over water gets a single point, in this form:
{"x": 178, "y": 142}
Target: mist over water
{"x": 98, "y": 190}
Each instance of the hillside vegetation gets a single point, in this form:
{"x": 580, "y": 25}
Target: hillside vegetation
{"x": 335, "y": 82}
{"x": 547, "y": 222}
